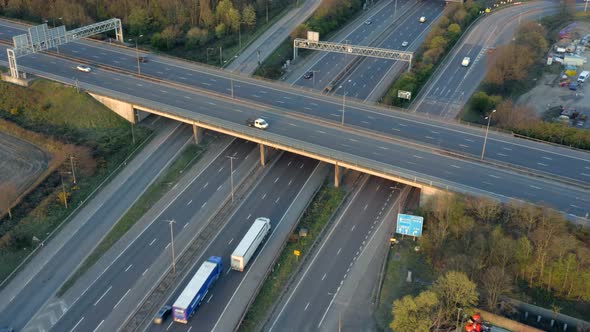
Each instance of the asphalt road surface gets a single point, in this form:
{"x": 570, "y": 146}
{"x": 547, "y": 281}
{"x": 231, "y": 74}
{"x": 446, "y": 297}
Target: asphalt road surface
{"x": 271, "y": 198}
{"x": 116, "y": 281}
{"x": 44, "y": 284}
{"x": 386, "y": 154}
{"x": 533, "y": 156}
{"x": 451, "y": 88}
{"x": 307, "y": 303}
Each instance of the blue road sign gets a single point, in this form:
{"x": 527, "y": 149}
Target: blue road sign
{"x": 409, "y": 225}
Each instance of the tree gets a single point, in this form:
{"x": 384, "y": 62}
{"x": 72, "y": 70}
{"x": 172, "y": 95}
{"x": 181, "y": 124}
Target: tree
{"x": 495, "y": 283}
{"x": 206, "y": 15}
{"x": 220, "y": 30}
{"x": 482, "y": 103}
{"x": 138, "y": 21}
{"x": 8, "y": 194}
{"x": 454, "y": 30}
{"x": 454, "y": 290}
{"x": 235, "y": 20}
{"x": 196, "y": 36}
{"x": 414, "y": 314}
{"x": 249, "y": 16}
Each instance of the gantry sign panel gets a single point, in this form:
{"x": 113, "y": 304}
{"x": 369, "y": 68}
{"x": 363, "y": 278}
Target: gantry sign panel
{"x": 375, "y": 52}
{"x": 41, "y": 38}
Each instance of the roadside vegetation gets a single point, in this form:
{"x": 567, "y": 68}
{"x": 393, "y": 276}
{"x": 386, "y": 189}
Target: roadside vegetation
{"x": 514, "y": 69}
{"x": 196, "y": 30}
{"x": 166, "y": 181}
{"x": 439, "y": 41}
{"x": 315, "y": 218}
{"x": 80, "y": 134}
{"x": 488, "y": 251}
{"x": 328, "y": 18}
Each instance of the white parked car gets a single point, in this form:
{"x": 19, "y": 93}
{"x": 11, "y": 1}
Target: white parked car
{"x": 405, "y": 44}
{"x": 84, "y": 68}
{"x": 258, "y": 123}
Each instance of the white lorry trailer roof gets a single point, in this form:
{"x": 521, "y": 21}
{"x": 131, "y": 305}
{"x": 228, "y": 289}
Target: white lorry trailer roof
{"x": 185, "y": 298}
{"x": 248, "y": 239}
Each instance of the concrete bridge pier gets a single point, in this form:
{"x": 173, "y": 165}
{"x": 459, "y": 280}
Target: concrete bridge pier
{"x": 337, "y": 175}
{"x": 198, "y": 134}
{"x": 263, "y": 154}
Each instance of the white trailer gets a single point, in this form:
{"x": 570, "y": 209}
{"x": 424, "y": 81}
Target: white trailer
{"x": 246, "y": 248}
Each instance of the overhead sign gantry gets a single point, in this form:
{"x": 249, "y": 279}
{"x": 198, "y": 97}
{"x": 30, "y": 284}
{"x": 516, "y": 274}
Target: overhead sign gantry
{"x": 41, "y": 38}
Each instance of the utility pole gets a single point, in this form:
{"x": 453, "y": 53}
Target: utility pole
{"x": 73, "y": 172}
{"x": 172, "y": 243}
{"x": 489, "y": 118}
{"x": 231, "y": 175}
{"x": 63, "y": 188}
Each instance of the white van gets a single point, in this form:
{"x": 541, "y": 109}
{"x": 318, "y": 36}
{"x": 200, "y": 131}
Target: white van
{"x": 583, "y": 76}
{"x": 466, "y": 61}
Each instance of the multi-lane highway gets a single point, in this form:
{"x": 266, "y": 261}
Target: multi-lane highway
{"x": 271, "y": 198}
{"x": 114, "y": 283}
{"x": 533, "y": 156}
{"x": 380, "y": 153}
{"x": 21, "y": 300}
{"x": 308, "y": 301}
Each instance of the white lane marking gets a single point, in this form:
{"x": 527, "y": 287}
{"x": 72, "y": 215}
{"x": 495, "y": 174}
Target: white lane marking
{"x": 507, "y": 149}
{"x": 339, "y": 250}
{"x": 277, "y": 179}
{"x": 455, "y": 166}
{"x": 307, "y": 108}
{"x": 102, "y": 321}
{"x": 469, "y": 140}
{"x": 277, "y": 200}
{"x": 541, "y": 164}
{"x": 189, "y": 202}
{"x": 105, "y": 293}
{"x": 202, "y": 206}
{"x": 154, "y": 240}
{"x": 78, "y": 323}
{"x": 168, "y": 245}
{"x": 366, "y": 206}
{"x": 122, "y": 298}
{"x": 264, "y": 196}
{"x": 574, "y": 206}
{"x": 210, "y": 297}
{"x": 128, "y": 267}
{"x": 415, "y": 156}
{"x": 401, "y": 125}
{"x": 218, "y": 188}
{"x": 584, "y": 174}
{"x": 190, "y": 327}
{"x": 290, "y": 181}
{"x": 230, "y": 241}
{"x": 429, "y": 137}
{"x": 353, "y": 227}
{"x": 187, "y": 97}
{"x": 535, "y": 187}
{"x": 463, "y": 145}
{"x": 206, "y": 184}
{"x": 307, "y": 306}
{"x": 501, "y": 154}
{"x": 169, "y": 325}
{"x": 320, "y": 132}
{"x": 324, "y": 277}
{"x": 547, "y": 158}
{"x": 144, "y": 272}
{"x": 352, "y": 140}
{"x": 221, "y": 169}
{"x": 185, "y": 225}
{"x": 250, "y": 215}
{"x": 494, "y": 176}
{"x": 211, "y": 103}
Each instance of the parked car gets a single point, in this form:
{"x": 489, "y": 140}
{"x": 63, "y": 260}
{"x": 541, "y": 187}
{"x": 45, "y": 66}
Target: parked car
{"x": 258, "y": 123}
{"x": 84, "y": 68}
{"x": 162, "y": 314}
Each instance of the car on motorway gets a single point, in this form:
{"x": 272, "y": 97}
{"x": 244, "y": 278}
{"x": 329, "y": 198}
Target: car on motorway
{"x": 84, "y": 68}
{"x": 368, "y": 22}
{"x": 466, "y": 61}
{"x": 422, "y": 19}
{"x": 308, "y": 75}
{"x": 258, "y": 123}
{"x": 143, "y": 59}
{"x": 404, "y": 44}
{"x": 162, "y": 314}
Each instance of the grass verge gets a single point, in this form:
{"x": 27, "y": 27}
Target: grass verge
{"x": 315, "y": 218}
{"x": 154, "y": 192}
{"x": 401, "y": 259}
{"x": 60, "y": 117}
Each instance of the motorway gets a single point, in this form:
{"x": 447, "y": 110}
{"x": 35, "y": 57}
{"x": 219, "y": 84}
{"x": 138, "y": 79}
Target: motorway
{"x": 115, "y": 282}
{"x": 451, "y": 88}
{"x": 383, "y": 154}
{"x": 360, "y": 82}
{"x": 307, "y": 303}
{"x": 271, "y": 198}
{"x": 534, "y": 156}
{"x": 21, "y": 299}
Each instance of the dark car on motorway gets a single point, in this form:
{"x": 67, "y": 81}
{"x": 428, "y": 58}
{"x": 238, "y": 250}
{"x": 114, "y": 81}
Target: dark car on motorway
{"x": 308, "y": 75}
{"x": 162, "y": 314}
{"x": 143, "y": 59}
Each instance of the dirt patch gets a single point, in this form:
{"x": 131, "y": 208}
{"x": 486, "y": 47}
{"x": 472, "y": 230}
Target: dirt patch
{"x": 21, "y": 162}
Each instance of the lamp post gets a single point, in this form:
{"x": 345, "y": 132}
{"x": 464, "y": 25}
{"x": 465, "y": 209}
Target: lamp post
{"x": 231, "y": 175}
{"x": 172, "y": 244}
{"x": 485, "y": 140}
{"x": 457, "y": 324}
{"x": 137, "y": 54}
{"x": 343, "y": 103}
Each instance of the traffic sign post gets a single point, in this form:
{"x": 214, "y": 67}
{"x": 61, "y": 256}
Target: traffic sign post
{"x": 296, "y": 253}
{"x": 409, "y": 225}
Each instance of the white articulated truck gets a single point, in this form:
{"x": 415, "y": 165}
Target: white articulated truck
{"x": 246, "y": 248}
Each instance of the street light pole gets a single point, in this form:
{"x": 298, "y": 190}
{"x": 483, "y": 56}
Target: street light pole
{"x": 73, "y": 172}
{"x": 172, "y": 244}
{"x": 137, "y": 54}
{"x": 489, "y": 118}
{"x": 231, "y": 175}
